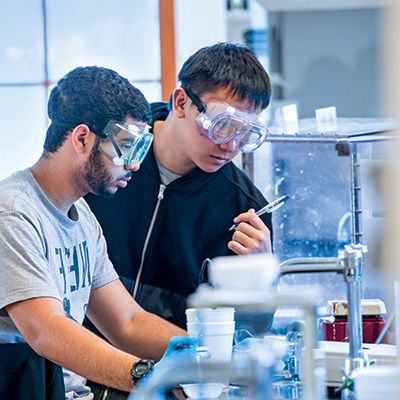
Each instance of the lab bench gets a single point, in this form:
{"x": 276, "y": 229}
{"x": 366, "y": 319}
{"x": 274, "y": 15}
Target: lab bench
{"x": 328, "y": 239}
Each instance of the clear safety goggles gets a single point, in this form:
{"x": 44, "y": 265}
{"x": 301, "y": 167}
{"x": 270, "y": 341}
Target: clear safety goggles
{"x": 125, "y": 144}
{"x": 120, "y": 143}
{"x": 221, "y": 122}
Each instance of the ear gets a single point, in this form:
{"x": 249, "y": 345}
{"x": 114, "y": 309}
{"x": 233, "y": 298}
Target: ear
{"x": 82, "y": 139}
{"x": 179, "y": 102}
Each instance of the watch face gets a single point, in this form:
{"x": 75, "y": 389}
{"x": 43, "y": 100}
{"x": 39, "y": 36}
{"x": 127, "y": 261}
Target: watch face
{"x": 141, "y": 368}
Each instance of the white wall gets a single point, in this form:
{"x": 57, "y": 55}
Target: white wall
{"x": 198, "y": 24}
{"x": 331, "y": 58}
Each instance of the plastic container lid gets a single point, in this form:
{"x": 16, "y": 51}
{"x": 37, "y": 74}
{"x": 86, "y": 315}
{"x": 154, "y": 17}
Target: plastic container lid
{"x": 368, "y": 307}
{"x": 208, "y": 314}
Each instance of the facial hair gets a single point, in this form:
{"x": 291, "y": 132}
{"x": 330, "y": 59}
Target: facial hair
{"x": 96, "y": 175}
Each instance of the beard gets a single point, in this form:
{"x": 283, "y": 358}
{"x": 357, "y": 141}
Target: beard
{"x": 96, "y": 175}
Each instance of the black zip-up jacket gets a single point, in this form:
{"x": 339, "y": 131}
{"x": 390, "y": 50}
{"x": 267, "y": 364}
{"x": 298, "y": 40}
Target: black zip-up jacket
{"x": 172, "y": 229}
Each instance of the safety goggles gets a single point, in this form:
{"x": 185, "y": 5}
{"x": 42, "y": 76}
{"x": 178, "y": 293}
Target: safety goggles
{"x": 221, "y": 122}
{"x": 120, "y": 143}
{"x": 125, "y": 144}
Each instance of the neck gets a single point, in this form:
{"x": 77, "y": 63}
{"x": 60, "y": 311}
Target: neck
{"x": 167, "y": 148}
{"x": 57, "y": 183}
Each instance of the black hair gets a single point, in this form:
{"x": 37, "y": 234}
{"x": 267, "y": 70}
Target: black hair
{"x": 92, "y": 96}
{"x": 227, "y": 65}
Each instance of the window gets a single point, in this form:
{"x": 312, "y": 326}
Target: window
{"x": 45, "y": 39}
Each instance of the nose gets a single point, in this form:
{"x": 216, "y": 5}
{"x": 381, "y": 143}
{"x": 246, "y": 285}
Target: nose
{"x": 134, "y": 167}
{"x": 231, "y": 145}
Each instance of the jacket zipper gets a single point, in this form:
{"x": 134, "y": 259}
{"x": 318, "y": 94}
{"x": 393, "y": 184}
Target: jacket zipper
{"x": 146, "y": 242}
{"x": 105, "y": 394}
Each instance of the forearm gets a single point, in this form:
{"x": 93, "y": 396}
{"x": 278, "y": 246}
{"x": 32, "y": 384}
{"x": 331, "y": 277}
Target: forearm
{"x": 80, "y": 351}
{"x": 147, "y": 336}
{"x": 126, "y": 325}
{"x": 65, "y": 342}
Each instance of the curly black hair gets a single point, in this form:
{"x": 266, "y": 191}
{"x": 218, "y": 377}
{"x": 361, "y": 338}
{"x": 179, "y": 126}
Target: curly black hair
{"x": 92, "y": 96}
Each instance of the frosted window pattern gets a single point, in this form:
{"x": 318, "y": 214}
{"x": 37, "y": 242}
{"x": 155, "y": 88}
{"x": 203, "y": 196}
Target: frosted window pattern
{"x": 316, "y": 221}
{"x": 120, "y": 35}
{"x": 21, "y": 42}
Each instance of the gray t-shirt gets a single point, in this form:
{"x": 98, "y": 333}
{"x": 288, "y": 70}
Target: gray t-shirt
{"x": 43, "y": 253}
{"x": 166, "y": 175}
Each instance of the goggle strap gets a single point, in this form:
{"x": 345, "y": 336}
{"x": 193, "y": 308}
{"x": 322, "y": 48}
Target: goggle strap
{"x": 64, "y": 124}
{"x": 71, "y": 126}
{"x": 116, "y": 147}
{"x": 195, "y": 99}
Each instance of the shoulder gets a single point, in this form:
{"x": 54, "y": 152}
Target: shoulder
{"x": 159, "y": 111}
{"x": 17, "y": 191}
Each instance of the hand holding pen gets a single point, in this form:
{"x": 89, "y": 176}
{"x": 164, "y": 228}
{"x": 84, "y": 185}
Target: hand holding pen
{"x": 267, "y": 209}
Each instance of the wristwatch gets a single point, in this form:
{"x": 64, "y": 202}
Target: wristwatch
{"x": 141, "y": 368}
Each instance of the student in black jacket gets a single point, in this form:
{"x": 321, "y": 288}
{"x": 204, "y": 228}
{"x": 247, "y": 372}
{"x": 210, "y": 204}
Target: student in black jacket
{"x": 178, "y": 208}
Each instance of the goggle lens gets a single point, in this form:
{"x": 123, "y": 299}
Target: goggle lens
{"x": 139, "y": 150}
{"x": 221, "y": 122}
{"x": 125, "y": 144}
{"x": 224, "y": 129}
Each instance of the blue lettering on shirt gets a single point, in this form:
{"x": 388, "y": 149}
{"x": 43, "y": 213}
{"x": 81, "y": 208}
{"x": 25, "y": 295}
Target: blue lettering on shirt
{"x": 74, "y": 268}
{"x": 84, "y": 253}
{"x": 62, "y": 268}
{"x": 74, "y": 263}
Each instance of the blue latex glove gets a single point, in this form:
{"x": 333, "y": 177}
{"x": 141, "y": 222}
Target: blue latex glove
{"x": 181, "y": 350}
